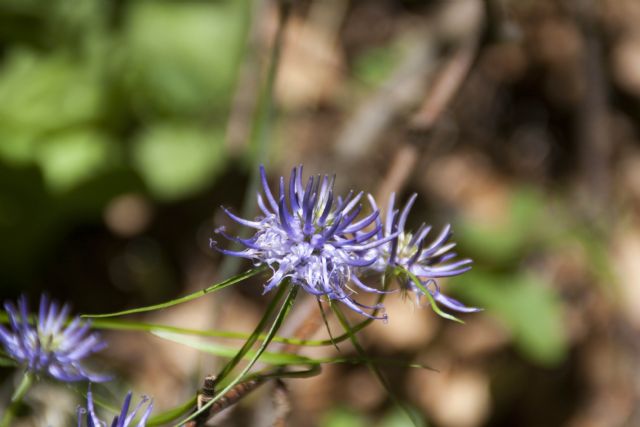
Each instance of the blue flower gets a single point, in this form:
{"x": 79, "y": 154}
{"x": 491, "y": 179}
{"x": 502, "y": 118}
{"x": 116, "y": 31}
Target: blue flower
{"x": 427, "y": 260}
{"x": 315, "y": 239}
{"x": 124, "y": 419}
{"x": 50, "y": 344}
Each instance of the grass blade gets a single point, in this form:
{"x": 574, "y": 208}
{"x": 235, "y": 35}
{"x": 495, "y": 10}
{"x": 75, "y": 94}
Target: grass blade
{"x": 282, "y": 314}
{"x": 213, "y": 288}
{"x": 126, "y": 325}
{"x": 373, "y": 367}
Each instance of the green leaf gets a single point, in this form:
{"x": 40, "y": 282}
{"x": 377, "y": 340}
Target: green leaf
{"x": 178, "y": 160}
{"x": 527, "y": 306}
{"x": 126, "y": 325}
{"x": 213, "y": 288}
{"x": 275, "y": 358}
{"x": 229, "y": 352}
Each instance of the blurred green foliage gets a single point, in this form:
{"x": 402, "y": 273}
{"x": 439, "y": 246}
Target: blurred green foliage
{"x": 132, "y": 92}
{"x": 181, "y": 56}
{"x": 342, "y": 417}
{"x": 346, "y": 417}
{"x": 374, "y": 65}
{"x": 526, "y": 303}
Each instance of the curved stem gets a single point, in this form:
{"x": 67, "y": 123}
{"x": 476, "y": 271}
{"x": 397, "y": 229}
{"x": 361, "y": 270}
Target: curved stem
{"x": 16, "y": 399}
{"x": 213, "y": 288}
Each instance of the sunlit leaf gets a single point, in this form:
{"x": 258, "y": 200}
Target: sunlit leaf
{"x": 228, "y": 351}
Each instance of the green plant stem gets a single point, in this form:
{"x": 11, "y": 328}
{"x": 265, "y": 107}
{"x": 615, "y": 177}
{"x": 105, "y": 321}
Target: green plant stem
{"x": 373, "y": 367}
{"x": 120, "y": 325}
{"x": 16, "y": 399}
{"x": 282, "y": 314}
{"x": 254, "y": 337}
{"x": 213, "y": 288}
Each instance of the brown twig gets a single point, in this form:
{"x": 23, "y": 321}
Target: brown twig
{"x": 231, "y": 397}
{"x": 282, "y": 403}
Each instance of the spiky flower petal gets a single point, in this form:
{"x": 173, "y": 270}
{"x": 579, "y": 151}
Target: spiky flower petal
{"x": 124, "y": 419}
{"x": 50, "y": 345}
{"x": 312, "y": 237}
{"x": 427, "y": 260}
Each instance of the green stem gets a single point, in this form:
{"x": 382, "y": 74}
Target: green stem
{"x": 16, "y": 399}
{"x": 119, "y": 325}
{"x": 254, "y": 337}
{"x": 282, "y": 313}
{"x": 373, "y": 367}
{"x": 213, "y": 288}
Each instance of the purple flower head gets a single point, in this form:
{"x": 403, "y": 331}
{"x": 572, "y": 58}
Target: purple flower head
{"x": 123, "y": 419}
{"x": 49, "y": 344}
{"x": 312, "y": 237}
{"x": 427, "y": 260}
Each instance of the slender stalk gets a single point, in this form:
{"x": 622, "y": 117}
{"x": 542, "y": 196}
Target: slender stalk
{"x": 282, "y": 314}
{"x": 16, "y": 399}
{"x": 373, "y": 367}
{"x": 213, "y": 288}
{"x": 119, "y": 325}
{"x": 254, "y": 337}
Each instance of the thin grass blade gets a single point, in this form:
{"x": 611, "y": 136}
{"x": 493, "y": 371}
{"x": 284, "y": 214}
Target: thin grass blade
{"x": 213, "y": 288}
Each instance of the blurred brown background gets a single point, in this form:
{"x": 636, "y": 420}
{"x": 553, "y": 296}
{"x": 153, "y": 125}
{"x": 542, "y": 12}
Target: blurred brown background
{"x": 125, "y": 124}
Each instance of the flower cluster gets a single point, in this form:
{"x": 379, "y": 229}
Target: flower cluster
{"x": 313, "y": 238}
{"x": 50, "y": 344}
{"x": 414, "y": 253}
{"x": 124, "y": 419}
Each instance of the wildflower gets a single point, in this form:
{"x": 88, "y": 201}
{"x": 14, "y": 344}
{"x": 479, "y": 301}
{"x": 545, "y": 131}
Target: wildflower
{"x": 314, "y": 240}
{"x": 124, "y": 419}
{"x": 412, "y": 252}
{"x": 49, "y": 344}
